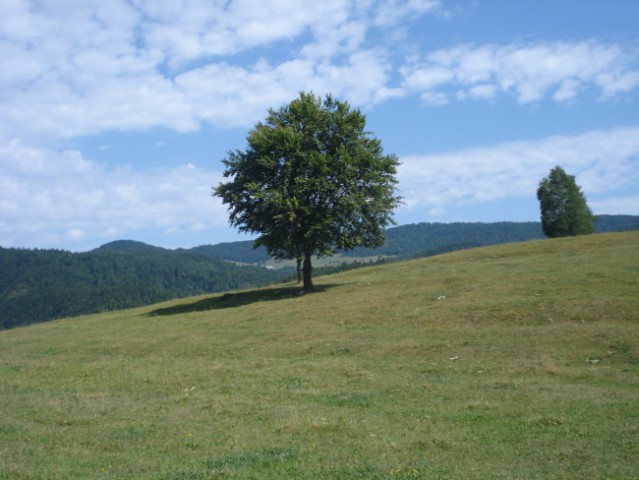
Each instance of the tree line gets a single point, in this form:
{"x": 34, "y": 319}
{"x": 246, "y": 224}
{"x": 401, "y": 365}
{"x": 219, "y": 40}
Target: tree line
{"x": 426, "y": 239}
{"x": 39, "y": 285}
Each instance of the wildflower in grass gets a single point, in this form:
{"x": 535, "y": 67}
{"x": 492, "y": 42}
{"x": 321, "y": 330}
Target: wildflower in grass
{"x": 405, "y": 473}
{"x": 190, "y": 443}
{"x": 106, "y": 470}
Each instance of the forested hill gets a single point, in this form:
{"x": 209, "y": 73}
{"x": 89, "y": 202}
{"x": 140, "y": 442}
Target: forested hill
{"x": 425, "y": 239}
{"x": 40, "y": 285}
{"x": 235, "y": 252}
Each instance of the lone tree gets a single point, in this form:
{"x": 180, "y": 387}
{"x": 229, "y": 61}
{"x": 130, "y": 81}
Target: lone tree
{"x": 564, "y": 211}
{"x": 311, "y": 181}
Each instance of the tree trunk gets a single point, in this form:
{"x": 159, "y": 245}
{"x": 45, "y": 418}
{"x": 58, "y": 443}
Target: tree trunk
{"x": 299, "y": 269}
{"x": 307, "y": 271}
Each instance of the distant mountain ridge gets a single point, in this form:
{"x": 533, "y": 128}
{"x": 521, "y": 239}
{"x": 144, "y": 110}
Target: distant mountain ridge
{"x": 127, "y": 246}
{"x": 41, "y": 285}
{"x": 424, "y": 239}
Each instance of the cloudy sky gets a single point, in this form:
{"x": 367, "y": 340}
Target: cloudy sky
{"x": 115, "y": 115}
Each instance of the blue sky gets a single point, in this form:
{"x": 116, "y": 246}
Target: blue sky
{"x": 115, "y": 116}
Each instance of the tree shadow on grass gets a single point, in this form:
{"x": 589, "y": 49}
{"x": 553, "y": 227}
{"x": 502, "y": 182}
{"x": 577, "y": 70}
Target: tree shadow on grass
{"x": 232, "y": 300}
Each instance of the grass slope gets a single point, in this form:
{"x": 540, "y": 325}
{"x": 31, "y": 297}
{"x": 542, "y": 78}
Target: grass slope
{"x": 515, "y": 361}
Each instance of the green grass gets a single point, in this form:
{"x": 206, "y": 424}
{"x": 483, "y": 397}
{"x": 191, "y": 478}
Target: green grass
{"x": 527, "y": 369}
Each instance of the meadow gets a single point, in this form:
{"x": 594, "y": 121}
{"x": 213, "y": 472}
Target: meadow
{"x": 517, "y": 361}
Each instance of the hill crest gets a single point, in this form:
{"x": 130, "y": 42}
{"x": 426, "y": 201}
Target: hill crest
{"x": 509, "y": 361}
{"x": 126, "y": 246}
{"x": 39, "y": 285}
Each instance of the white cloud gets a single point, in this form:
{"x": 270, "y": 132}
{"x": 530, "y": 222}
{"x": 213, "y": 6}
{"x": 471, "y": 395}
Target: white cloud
{"x": 187, "y": 30}
{"x": 434, "y": 98}
{"x": 78, "y": 68}
{"x": 625, "y": 205}
{"x": 602, "y": 161}
{"x": 568, "y": 90}
{"x": 54, "y": 198}
{"x": 427, "y": 78}
{"x": 224, "y": 94}
{"x": 483, "y": 91}
{"x": 390, "y": 12}
{"x": 530, "y": 72}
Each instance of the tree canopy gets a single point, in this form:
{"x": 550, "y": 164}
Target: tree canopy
{"x": 564, "y": 211}
{"x": 311, "y": 182}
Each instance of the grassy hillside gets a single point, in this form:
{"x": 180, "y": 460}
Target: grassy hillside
{"x": 506, "y": 362}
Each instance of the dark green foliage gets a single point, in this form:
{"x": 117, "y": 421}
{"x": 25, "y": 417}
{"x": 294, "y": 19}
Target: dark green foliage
{"x": 564, "y": 211}
{"x": 243, "y": 252}
{"x": 311, "y": 182}
{"x": 616, "y": 223}
{"x": 128, "y": 246}
{"x": 419, "y": 240}
{"x": 40, "y": 285}
{"x": 426, "y": 239}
